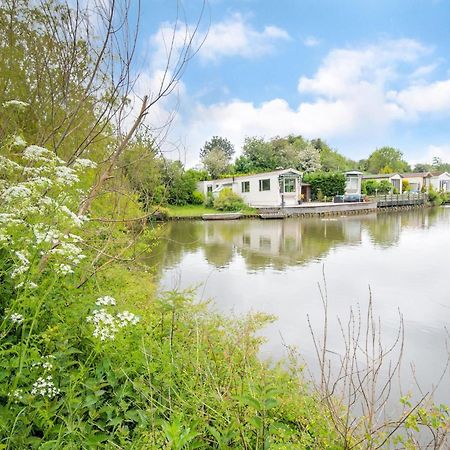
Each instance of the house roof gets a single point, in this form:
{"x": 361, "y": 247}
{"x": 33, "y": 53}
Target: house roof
{"x": 438, "y": 174}
{"x": 262, "y": 174}
{"x": 381, "y": 176}
{"x": 416, "y": 175}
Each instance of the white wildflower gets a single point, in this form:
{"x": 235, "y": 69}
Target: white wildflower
{"x": 77, "y": 220}
{"x": 70, "y": 252}
{"x": 23, "y": 267}
{"x": 36, "y": 153}
{"x": 17, "y": 395}
{"x": 66, "y": 175}
{"x": 44, "y": 233}
{"x": 127, "y": 318}
{"x": 28, "y": 284}
{"x": 105, "y": 300}
{"x": 45, "y": 387}
{"x": 81, "y": 163}
{"x": 16, "y": 103}
{"x": 104, "y": 324}
{"x": 19, "y": 141}
{"x": 16, "y": 318}
{"x": 17, "y": 191}
{"x": 64, "y": 269}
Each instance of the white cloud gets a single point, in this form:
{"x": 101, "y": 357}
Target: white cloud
{"x": 440, "y": 151}
{"x": 311, "y": 41}
{"x": 236, "y": 37}
{"x": 423, "y": 98}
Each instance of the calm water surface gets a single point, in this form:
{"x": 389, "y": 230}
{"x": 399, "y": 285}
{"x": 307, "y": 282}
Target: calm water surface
{"x": 275, "y": 266}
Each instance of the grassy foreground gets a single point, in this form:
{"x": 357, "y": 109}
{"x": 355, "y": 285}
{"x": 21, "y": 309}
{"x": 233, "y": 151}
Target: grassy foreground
{"x": 199, "y": 210}
{"x": 92, "y": 358}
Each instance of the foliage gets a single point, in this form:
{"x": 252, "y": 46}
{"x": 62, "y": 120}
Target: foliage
{"x": 405, "y": 186}
{"x": 227, "y": 200}
{"x": 309, "y": 159}
{"x": 215, "y": 162}
{"x": 436, "y": 198}
{"x": 387, "y": 160}
{"x": 331, "y": 160}
{"x": 218, "y": 143}
{"x": 198, "y": 198}
{"x": 329, "y": 184}
{"x": 373, "y": 187}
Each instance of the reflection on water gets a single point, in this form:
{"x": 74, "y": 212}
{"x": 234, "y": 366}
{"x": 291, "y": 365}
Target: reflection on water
{"x": 275, "y": 265}
{"x": 282, "y": 243}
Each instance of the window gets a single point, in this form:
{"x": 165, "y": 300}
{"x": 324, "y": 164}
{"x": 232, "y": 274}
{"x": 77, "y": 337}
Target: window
{"x": 209, "y": 189}
{"x": 289, "y": 185}
{"x": 264, "y": 185}
{"x": 245, "y": 186}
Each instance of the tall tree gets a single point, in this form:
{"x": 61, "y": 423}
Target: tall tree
{"x": 387, "y": 159}
{"x": 216, "y": 162}
{"x": 220, "y": 143}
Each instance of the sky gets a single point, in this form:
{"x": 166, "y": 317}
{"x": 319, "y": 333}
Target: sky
{"x": 359, "y": 74}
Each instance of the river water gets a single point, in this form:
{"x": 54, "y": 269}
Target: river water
{"x": 276, "y": 266}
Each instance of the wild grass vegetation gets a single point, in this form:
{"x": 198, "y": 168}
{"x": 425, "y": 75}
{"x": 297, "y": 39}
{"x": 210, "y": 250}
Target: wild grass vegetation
{"x": 90, "y": 355}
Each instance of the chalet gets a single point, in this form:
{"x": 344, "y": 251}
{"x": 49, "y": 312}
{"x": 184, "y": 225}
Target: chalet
{"x": 278, "y": 188}
{"x": 440, "y": 181}
{"x": 418, "y": 181}
{"x": 394, "y": 178}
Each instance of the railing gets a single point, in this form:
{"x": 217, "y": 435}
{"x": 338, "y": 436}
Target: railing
{"x": 408, "y": 198}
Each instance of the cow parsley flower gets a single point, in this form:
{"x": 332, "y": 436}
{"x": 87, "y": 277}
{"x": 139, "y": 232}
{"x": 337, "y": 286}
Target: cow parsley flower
{"x": 66, "y": 175}
{"x": 104, "y": 324}
{"x": 45, "y": 387}
{"x": 17, "y": 395}
{"x": 16, "y": 318}
{"x": 64, "y": 269}
{"x": 16, "y": 104}
{"x": 36, "y": 153}
{"x": 19, "y": 141}
{"x": 106, "y": 300}
{"x": 81, "y": 163}
{"x": 127, "y": 318}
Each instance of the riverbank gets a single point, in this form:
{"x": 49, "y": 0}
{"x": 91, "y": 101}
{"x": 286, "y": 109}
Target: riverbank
{"x": 311, "y": 209}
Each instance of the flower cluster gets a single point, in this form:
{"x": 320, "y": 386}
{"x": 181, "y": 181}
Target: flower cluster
{"x": 45, "y": 387}
{"x": 106, "y": 300}
{"x": 17, "y": 395}
{"x": 16, "y": 103}
{"x": 16, "y": 318}
{"x": 33, "y": 189}
{"x": 106, "y": 324}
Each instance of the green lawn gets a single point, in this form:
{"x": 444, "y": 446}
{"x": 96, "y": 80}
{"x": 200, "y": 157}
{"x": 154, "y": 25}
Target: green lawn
{"x": 198, "y": 210}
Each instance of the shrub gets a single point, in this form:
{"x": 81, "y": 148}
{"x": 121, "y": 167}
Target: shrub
{"x": 330, "y": 184}
{"x": 209, "y": 201}
{"x": 228, "y": 201}
{"x": 198, "y": 198}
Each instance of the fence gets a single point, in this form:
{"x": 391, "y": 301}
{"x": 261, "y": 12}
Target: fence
{"x": 406, "y": 199}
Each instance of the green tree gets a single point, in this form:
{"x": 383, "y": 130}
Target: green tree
{"x": 216, "y": 162}
{"x": 309, "y": 158}
{"x": 215, "y": 143}
{"x": 387, "y": 157}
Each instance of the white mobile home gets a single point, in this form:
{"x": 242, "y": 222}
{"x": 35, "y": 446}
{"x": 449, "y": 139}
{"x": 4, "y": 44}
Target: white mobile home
{"x": 353, "y": 181}
{"x": 394, "y": 178}
{"x": 278, "y": 188}
{"x": 418, "y": 181}
{"x": 440, "y": 181}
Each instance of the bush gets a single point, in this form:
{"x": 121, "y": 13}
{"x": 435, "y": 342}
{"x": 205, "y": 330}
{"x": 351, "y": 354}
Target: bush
{"x": 330, "y": 184}
{"x": 198, "y": 198}
{"x": 228, "y": 201}
{"x": 209, "y": 201}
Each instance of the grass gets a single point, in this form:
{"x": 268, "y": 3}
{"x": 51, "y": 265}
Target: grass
{"x": 198, "y": 211}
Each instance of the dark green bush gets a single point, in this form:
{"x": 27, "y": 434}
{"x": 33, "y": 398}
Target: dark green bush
{"x": 329, "y": 184}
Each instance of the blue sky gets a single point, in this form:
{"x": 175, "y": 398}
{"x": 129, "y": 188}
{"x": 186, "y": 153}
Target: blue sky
{"x": 360, "y": 74}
